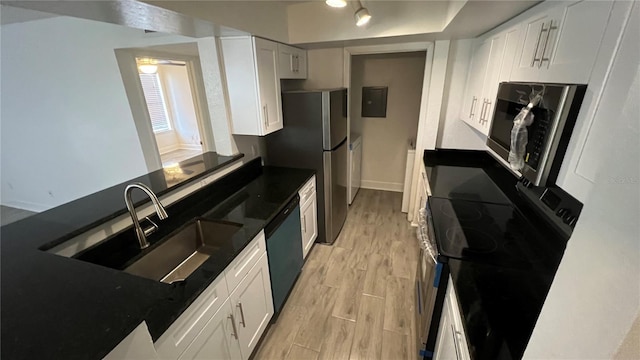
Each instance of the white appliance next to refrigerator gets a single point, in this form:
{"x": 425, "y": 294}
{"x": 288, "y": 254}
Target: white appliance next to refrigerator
{"x": 355, "y": 165}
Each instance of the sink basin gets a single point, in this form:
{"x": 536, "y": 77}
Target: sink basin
{"x": 184, "y": 251}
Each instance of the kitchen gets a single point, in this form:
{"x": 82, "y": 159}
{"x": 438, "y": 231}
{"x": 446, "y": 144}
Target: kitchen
{"x": 568, "y": 326}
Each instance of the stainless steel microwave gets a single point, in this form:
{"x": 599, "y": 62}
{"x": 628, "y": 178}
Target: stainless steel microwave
{"x": 548, "y": 135}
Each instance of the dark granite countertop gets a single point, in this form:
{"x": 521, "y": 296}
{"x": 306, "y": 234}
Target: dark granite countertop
{"x": 499, "y": 304}
{"x": 63, "y": 308}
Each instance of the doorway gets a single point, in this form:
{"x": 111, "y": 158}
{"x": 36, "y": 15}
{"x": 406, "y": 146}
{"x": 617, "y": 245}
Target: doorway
{"x": 171, "y": 108}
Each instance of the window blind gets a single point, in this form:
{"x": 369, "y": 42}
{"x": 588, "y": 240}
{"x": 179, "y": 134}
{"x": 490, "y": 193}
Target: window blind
{"x": 155, "y": 102}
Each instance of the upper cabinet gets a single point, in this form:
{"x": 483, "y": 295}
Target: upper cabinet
{"x": 253, "y": 81}
{"x": 292, "y": 62}
{"x": 560, "y": 44}
{"x": 482, "y": 82}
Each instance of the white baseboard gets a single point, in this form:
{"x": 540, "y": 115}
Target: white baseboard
{"x": 190, "y": 147}
{"x": 25, "y": 205}
{"x": 382, "y": 185}
{"x": 168, "y": 149}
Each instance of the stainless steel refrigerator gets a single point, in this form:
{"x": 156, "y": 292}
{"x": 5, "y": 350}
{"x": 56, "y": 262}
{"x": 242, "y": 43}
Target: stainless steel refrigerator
{"x": 315, "y": 137}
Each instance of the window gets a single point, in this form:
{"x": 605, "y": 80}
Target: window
{"x": 155, "y": 102}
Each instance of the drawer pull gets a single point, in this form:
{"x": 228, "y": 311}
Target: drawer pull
{"x": 233, "y": 323}
{"x": 243, "y": 323}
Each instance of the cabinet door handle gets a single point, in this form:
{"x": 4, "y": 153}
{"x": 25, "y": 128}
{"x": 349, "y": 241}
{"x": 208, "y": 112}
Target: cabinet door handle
{"x": 455, "y": 342}
{"x": 484, "y": 103}
{"x": 473, "y": 104}
{"x": 293, "y": 63}
{"x": 546, "y": 42}
{"x": 487, "y": 110}
{"x": 297, "y": 64}
{"x": 242, "y": 322}
{"x": 233, "y": 323}
{"x": 265, "y": 112}
{"x": 535, "y": 52}
{"x": 304, "y": 223}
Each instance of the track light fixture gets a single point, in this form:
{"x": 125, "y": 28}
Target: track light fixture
{"x": 336, "y": 3}
{"x": 362, "y": 16}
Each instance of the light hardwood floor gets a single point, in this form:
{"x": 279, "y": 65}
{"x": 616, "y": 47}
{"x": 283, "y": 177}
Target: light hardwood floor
{"x": 355, "y": 299}
{"x": 176, "y": 156}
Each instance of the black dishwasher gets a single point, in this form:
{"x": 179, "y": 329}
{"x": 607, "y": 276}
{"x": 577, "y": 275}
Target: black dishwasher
{"x": 284, "y": 250}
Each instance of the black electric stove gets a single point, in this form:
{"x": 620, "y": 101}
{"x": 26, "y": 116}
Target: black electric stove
{"x": 495, "y": 234}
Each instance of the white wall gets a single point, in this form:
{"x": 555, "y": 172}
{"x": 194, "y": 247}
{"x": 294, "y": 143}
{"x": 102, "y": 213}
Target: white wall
{"x": 67, "y": 128}
{"x": 384, "y": 140}
{"x": 325, "y": 69}
{"x": 454, "y": 133}
{"x": 314, "y": 21}
{"x": 595, "y": 296}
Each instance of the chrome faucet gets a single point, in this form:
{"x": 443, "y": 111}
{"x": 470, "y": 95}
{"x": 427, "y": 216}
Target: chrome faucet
{"x": 162, "y": 213}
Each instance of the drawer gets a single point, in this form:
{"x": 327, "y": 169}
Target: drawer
{"x": 240, "y": 266}
{"x": 308, "y": 190}
{"x": 184, "y": 330}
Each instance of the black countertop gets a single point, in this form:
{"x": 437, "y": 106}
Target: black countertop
{"x": 64, "y": 308}
{"x": 499, "y": 301}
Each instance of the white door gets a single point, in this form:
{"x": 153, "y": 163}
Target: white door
{"x": 217, "y": 340}
{"x": 286, "y": 61}
{"x": 300, "y": 63}
{"x": 309, "y": 222}
{"x": 511, "y": 40}
{"x": 490, "y": 85}
{"x": 268, "y": 85}
{"x": 530, "y": 49}
{"x": 252, "y": 306}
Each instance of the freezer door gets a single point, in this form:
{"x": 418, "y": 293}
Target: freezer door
{"x": 334, "y": 118}
{"x": 335, "y": 190}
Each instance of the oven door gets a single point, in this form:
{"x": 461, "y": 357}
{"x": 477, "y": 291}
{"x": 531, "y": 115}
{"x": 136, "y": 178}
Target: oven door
{"x": 426, "y": 284}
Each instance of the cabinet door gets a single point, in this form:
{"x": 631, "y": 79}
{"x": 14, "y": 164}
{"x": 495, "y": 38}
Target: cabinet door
{"x": 511, "y": 41}
{"x": 529, "y": 50}
{"x": 286, "y": 61}
{"x": 490, "y": 86}
{"x": 252, "y": 306}
{"x": 571, "y": 44}
{"x": 309, "y": 222}
{"x": 300, "y": 63}
{"x": 445, "y": 342}
{"x": 217, "y": 340}
{"x": 475, "y": 81}
{"x": 268, "y": 85}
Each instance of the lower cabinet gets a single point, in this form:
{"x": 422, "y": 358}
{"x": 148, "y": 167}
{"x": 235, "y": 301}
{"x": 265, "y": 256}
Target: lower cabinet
{"x": 308, "y": 215}
{"x": 218, "y": 339}
{"x": 228, "y": 319}
{"x": 451, "y": 342}
{"x": 252, "y": 306}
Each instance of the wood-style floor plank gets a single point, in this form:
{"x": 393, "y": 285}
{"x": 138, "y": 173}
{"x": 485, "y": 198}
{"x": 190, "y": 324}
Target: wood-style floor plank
{"x": 367, "y": 340}
{"x": 354, "y": 299}
{"x": 399, "y": 309}
{"x": 348, "y": 297}
{"x": 301, "y": 353}
{"x": 336, "y": 344}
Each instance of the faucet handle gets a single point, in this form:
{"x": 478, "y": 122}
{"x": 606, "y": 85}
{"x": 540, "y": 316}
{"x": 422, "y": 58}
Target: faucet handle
{"x": 151, "y": 228}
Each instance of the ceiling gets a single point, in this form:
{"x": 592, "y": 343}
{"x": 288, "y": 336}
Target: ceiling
{"x": 312, "y": 24}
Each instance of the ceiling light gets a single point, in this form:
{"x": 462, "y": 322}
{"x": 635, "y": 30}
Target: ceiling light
{"x": 147, "y": 66}
{"x": 362, "y": 16}
{"x": 336, "y": 3}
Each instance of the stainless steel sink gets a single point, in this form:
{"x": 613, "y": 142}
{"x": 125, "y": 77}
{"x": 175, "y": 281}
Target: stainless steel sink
{"x": 180, "y": 255}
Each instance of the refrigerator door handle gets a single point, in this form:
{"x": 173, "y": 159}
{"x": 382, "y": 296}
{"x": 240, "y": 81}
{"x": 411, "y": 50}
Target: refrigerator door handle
{"x": 326, "y": 163}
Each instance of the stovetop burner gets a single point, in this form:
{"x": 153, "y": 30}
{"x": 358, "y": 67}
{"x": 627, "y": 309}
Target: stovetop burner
{"x": 490, "y": 233}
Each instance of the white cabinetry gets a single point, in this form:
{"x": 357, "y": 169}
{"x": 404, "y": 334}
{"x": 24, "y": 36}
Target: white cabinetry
{"x": 308, "y": 215}
{"x": 218, "y": 339}
{"x": 451, "y": 342}
{"x": 292, "y": 62}
{"x": 482, "y": 83}
{"x": 560, "y": 44}
{"x": 222, "y": 326}
{"x": 253, "y": 83}
{"x": 252, "y": 306}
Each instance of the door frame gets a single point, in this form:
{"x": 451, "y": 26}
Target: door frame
{"x": 128, "y": 69}
{"x": 430, "y": 102}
